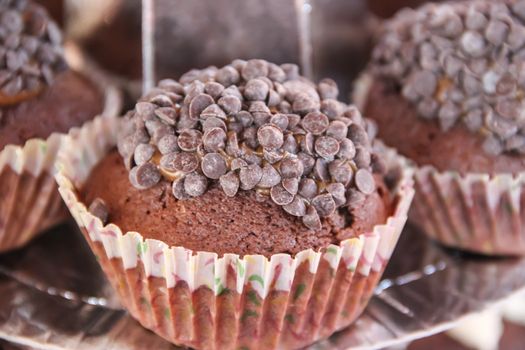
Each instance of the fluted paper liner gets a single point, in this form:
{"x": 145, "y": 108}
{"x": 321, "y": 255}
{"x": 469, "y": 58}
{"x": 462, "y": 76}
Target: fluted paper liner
{"x": 198, "y": 299}
{"x": 29, "y": 200}
{"x": 474, "y": 212}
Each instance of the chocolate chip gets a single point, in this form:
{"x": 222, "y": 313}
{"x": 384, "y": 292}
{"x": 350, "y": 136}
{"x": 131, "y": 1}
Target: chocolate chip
{"x": 347, "y": 150}
{"x": 340, "y": 171}
{"x": 213, "y": 111}
{"x": 281, "y": 196}
{"x": 161, "y": 101}
{"x": 256, "y": 90}
{"x": 199, "y": 104}
{"x": 276, "y": 73}
{"x": 307, "y": 161}
{"x": 183, "y": 161}
{"x": 213, "y": 89}
{"x": 99, "y": 209}
{"x": 238, "y": 163}
{"x": 245, "y": 118}
{"x": 364, "y": 181}
{"x": 213, "y": 165}
{"x": 250, "y": 176}
{"x": 475, "y": 20}
{"x": 428, "y": 108}
{"x": 358, "y": 135}
{"x": 474, "y": 120}
{"x": 167, "y": 115}
{"x": 280, "y": 120}
{"x": 273, "y": 99}
{"x": 290, "y": 144}
{"x": 177, "y": 188}
{"x": 189, "y": 140}
{"x": 337, "y": 190}
{"x": 232, "y": 91}
{"x": 270, "y": 137}
{"x": 230, "y": 104}
{"x": 328, "y": 89}
{"x": 448, "y": 114}
{"x": 315, "y": 123}
{"x": 496, "y": 32}
{"x": 331, "y": 108}
{"x": 321, "y": 170}
{"x": 227, "y": 76}
{"x": 362, "y": 157}
{"x": 293, "y": 120}
{"x": 291, "y": 167}
{"x": 143, "y": 153}
{"x": 307, "y": 143}
{"x": 195, "y": 184}
{"x": 296, "y": 208}
{"x": 424, "y": 82}
{"x": 304, "y": 103}
{"x": 255, "y": 68}
{"x": 213, "y": 122}
{"x": 144, "y": 176}
{"x": 337, "y": 129}
{"x": 214, "y": 139}
{"x": 324, "y": 204}
{"x": 250, "y": 137}
{"x": 229, "y": 183}
{"x": 270, "y": 177}
{"x": 311, "y": 219}
{"x": 307, "y": 188}
{"x": 354, "y": 198}
{"x": 273, "y": 157}
{"x": 168, "y": 144}
{"x": 472, "y": 43}
{"x": 291, "y": 184}
{"x": 291, "y": 70}
{"x": 326, "y": 146}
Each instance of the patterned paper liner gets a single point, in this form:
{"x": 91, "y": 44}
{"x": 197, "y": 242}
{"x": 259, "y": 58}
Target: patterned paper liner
{"x": 204, "y": 301}
{"x": 30, "y": 202}
{"x": 474, "y": 212}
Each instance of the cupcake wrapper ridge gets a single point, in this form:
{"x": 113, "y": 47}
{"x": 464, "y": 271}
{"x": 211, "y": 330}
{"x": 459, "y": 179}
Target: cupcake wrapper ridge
{"x": 29, "y": 200}
{"x": 474, "y": 212}
{"x": 201, "y": 300}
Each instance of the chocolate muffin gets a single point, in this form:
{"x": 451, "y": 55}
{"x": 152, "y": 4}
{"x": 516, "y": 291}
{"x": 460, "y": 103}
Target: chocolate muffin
{"x": 225, "y": 142}
{"x": 445, "y": 86}
{"x": 247, "y": 194}
{"x": 39, "y": 96}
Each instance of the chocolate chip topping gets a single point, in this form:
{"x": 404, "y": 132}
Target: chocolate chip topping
{"x": 251, "y": 125}
{"x": 30, "y": 49}
{"x": 463, "y": 63}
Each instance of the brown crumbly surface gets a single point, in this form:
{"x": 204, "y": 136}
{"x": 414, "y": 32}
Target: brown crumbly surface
{"x": 215, "y": 222}
{"x": 70, "y": 101}
{"x": 425, "y": 143}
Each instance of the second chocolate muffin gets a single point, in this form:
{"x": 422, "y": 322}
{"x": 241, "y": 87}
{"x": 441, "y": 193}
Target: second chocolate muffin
{"x": 445, "y": 86}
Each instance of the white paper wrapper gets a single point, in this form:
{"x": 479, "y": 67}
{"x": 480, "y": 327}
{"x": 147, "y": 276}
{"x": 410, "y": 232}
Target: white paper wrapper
{"x": 29, "y": 200}
{"x": 474, "y": 212}
{"x": 204, "y": 301}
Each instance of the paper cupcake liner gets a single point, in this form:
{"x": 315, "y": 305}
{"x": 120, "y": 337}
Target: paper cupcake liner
{"x": 198, "y": 299}
{"x": 473, "y": 212}
{"x": 29, "y": 200}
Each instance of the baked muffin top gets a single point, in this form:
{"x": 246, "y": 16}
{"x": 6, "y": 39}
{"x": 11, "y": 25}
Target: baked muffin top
{"x": 461, "y": 63}
{"x": 252, "y": 126}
